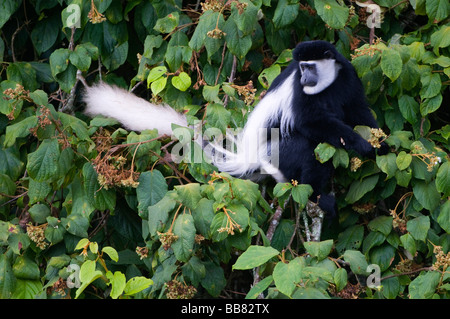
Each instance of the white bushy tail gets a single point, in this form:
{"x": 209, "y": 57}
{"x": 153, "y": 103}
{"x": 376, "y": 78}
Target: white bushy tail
{"x": 246, "y": 160}
{"x": 131, "y": 111}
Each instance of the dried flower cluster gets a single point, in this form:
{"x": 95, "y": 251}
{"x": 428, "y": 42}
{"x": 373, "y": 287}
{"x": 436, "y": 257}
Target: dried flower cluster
{"x": 43, "y": 120}
{"x": 404, "y": 266}
{"x": 60, "y": 287}
{"x": 231, "y": 225}
{"x": 365, "y": 208}
{"x": 216, "y": 33}
{"x": 247, "y": 91}
{"x": 167, "y": 239}
{"x": 142, "y": 252}
{"x": 17, "y": 94}
{"x": 378, "y": 136}
{"x": 95, "y": 16}
{"x": 36, "y": 234}
{"x": 350, "y": 291}
{"x": 370, "y": 50}
{"x": 398, "y": 223}
{"x": 179, "y": 290}
{"x": 430, "y": 159}
{"x": 442, "y": 259}
{"x": 355, "y": 163}
{"x": 214, "y": 5}
{"x": 110, "y": 169}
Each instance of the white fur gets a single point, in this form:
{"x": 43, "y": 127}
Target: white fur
{"x": 328, "y": 70}
{"x": 133, "y": 112}
{"x": 251, "y": 145}
{"x": 250, "y": 154}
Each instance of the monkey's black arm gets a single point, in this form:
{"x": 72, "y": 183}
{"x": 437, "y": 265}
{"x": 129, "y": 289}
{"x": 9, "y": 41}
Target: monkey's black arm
{"x": 338, "y": 134}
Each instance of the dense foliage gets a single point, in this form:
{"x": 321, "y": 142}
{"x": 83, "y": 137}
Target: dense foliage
{"x": 90, "y": 210}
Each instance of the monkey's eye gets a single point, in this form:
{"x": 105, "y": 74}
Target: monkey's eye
{"x": 328, "y": 54}
{"x": 306, "y": 67}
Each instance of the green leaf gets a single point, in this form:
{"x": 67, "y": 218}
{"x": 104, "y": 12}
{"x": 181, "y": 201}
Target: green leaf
{"x": 76, "y": 225}
{"x": 360, "y": 187}
{"x": 409, "y": 108}
{"x": 137, "y": 284}
{"x": 45, "y": 33}
{"x": 427, "y": 194}
{"x": 97, "y": 196}
{"x": 409, "y": 243}
{"x": 158, "y": 85}
{"x": 383, "y": 224}
{"x": 25, "y": 268}
{"x": 178, "y": 51}
{"x": 382, "y": 256}
{"x": 81, "y": 58}
{"x": 255, "y": 256}
{"x": 7, "y": 279}
{"x": 431, "y": 85}
{"x": 238, "y": 43}
{"x": 218, "y": 116}
{"x": 324, "y": 152}
{"x": 430, "y": 105}
{"x": 441, "y": 38}
{"x": 39, "y": 213}
{"x": 59, "y": 61}
{"x": 259, "y": 288}
{"x": 443, "y": 179}
{"x": 203, "y": 214}
{"x": 391, "y": 63}
{"x": 437, "y": 10}
{"x": 340, "y": 278}
{"x": 214, "y": 280}
{"x": 444, "y": 216}
{"x": 301, "y": 193}
{"x": 403, "y": 160}
{"x": 189, "y": 194}
{"x": 357, "y": 261}
{"x": 168, "y": 23}
{"x": 185, "y": 230}
{"x": 151, "y": 189}
{"x": 156, "y": 73}
{"x": 117, "y": 282}
{"x": 351, "y": 238}
{"x": 24, "y": 73}
{"x": 88, "y": 274}
{"x": 287, "y": 275}
{"x": 27, "y": 289}
{"x": 182, "y": 81}
{"x": 111, "y": 252}
{"x": 158, "y": 214}
{"x": 285, "y": 13}
{"x": 20, "y": 129}
{"x": 43, "y": 163}
{"x": 206, "y": 23}
{"x": 321, "y": 250}
{"x": 332, "y": 13}
{"x": 8, "y": 7}
{"x": 418, "y": 227}
{"x": 424, "y": 286}
{"x": 54, "y": 232}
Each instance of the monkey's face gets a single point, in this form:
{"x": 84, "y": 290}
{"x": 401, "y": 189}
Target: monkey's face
{"x": 317, "y": 75}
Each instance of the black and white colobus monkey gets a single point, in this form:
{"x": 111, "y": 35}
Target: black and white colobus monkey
{"x": 318, "y": 98}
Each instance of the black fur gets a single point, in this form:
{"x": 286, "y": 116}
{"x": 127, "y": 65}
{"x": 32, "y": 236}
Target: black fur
{"x": 328, "y": 116}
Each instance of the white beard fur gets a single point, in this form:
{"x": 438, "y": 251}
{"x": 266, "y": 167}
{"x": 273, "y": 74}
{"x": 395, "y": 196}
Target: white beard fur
{"x": 328, "y": 71}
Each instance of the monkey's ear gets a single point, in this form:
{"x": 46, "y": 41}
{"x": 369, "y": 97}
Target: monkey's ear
{"x": 328, "y": 54}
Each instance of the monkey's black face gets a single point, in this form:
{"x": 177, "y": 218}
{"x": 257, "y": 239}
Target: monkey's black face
{"x": 309, "y": 76}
